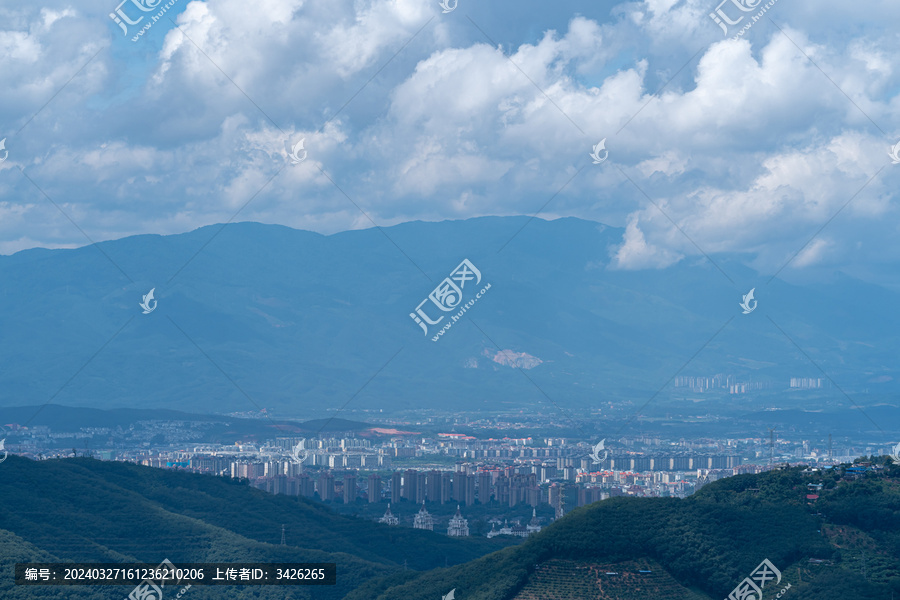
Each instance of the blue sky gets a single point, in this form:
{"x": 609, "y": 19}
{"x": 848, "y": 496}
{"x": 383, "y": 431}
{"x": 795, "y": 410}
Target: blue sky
{"x": 752, "y": 145}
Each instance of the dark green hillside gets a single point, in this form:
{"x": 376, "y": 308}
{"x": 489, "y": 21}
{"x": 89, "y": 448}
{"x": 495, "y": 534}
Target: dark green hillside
{"x": 630, "y": 580}
{"x": 92, "y": 511}
{"x": 703, "y": 545}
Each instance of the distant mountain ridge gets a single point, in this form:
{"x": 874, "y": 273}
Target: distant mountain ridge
{"x": 252, "y": 316}
{"x": 66, "y": 418}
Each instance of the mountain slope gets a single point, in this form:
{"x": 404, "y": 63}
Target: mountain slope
{"x": 254, "y": 315}
{"x": 698, "y": 547}
{"x": 92, "y": 511}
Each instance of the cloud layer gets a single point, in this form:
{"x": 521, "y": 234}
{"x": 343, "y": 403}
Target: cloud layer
{"x": 740, "y": 146}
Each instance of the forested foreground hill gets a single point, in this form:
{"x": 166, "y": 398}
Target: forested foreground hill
{"x": 696, "y": 548}
{"x": 85, "y": 510}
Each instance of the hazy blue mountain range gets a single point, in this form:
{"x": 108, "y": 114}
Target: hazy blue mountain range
{"x": 254, "y": 315}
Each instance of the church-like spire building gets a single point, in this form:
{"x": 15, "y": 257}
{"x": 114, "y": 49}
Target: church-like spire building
{"x": 534, "y": 525}
{"x": 517, "y": 529}
{"x": 423, "y": 519}
{"x": 388, "y": 517}
{"x": 458, "y": 526}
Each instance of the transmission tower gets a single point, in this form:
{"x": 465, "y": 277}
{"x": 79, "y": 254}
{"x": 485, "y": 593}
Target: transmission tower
{"x": 282, "y": 535}
{"x": 772, "y": 445}
{"x": 830, "y": 452}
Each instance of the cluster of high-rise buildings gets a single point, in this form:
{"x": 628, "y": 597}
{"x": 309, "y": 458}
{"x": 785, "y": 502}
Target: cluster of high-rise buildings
{"x": 508, "y": 486}
{"x": 463, "y": 470}
{"x": 807, "y": 383}
{"x": 729, "y": 383}
{"x": 452, "y": 468}
{"x": 733, "y": 385}
{"x": 507, "y": 472}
